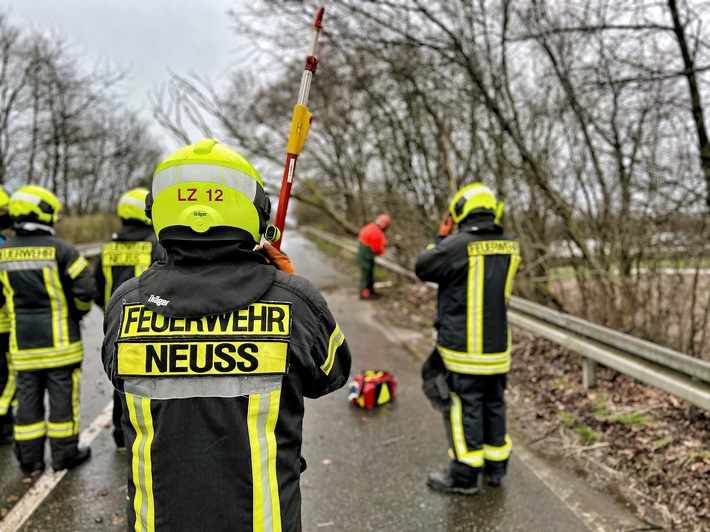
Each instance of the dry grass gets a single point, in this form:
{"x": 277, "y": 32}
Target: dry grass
{"x": 657, "y": 308}
{"x": 87, "y": 228}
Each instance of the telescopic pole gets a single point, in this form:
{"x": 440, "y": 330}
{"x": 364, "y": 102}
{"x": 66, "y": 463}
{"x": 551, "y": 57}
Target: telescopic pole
{"x": 300, "y": 123}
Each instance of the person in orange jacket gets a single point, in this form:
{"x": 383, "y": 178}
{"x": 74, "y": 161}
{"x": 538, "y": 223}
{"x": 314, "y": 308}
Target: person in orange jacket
{"x": 372, "y": 243}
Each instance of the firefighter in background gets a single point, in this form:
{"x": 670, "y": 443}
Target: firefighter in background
{"x": 213, "y": 352}
{"x": 129, "y": 253}
{"x": 7, "y": 377}
{"x": 474, "y": 269}
{"x": 372, "y": 243}
{"x": 48, "y": 288}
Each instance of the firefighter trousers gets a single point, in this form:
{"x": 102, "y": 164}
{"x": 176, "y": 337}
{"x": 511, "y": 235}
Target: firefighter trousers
{"x": 7, "y": 388}
{"x": 476, "y": 426}
{"x": 32, "y": 426}
{"x": 118, "y": 436}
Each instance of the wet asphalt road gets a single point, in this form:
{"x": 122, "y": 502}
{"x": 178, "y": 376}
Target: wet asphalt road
{"x": 366, "y": 469}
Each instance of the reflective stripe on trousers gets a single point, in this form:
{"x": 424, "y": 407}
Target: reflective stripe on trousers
{"x": 63, "y": 423}
{"x": 476, "y": 424}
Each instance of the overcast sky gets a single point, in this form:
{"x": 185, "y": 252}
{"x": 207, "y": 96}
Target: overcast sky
{"x": 147, "y": 36}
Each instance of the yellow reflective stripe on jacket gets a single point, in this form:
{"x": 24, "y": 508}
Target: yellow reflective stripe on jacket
{"x": 108, "y": 282}
{"x": 5, "y": 324}
{"x": 498, "y": 454}
{"x": 33, "y": 431}
{"x": 476, "y": 363}
{"x": 8, "y": 309}
{"x": 472, "y": 458}
{"x": 58, "y": 303}
{"x": 141, "y": 462}
{"x": 512, "y": 269}
{"x": 335, "y": 341}
{"x": 77, "y": 267}
{"x": 263, "y": 411}
{"x": 46, "y": 357}
{"x": 474, "y": 311}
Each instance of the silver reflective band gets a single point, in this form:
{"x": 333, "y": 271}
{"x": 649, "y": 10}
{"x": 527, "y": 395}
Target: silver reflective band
{"x": 205, "y": 386}
{"x": 205, "y": 173}
{"x": 25, "y": 196}
{"x": 32, "y": 226}
{"x": 19, "y": 265}
{"x": 132, "y": 201}
{"x": 476, "y": 191}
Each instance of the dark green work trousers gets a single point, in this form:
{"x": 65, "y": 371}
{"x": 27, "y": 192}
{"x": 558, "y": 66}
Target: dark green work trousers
{"x": 366, "y": 261}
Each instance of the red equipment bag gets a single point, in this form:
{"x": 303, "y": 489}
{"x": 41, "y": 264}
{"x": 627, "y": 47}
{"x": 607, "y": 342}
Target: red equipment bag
{"x": 372, "y": 388}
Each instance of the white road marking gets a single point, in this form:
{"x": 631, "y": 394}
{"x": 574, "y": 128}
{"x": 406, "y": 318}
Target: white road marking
{"x": 26, "y": 506}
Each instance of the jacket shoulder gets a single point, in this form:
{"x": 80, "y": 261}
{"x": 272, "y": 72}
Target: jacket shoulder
{"x": 127, "y": 290}
{"x": 300, "y": 287}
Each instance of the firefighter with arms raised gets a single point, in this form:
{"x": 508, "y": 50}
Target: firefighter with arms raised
{"x": 47, "y": 287}
{"x": 474, "y": 269}
{"x": 129, "y": 253}
{"x": 213, "y": 352}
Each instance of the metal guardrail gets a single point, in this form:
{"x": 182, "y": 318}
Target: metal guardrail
{"x": 674, "y": 372}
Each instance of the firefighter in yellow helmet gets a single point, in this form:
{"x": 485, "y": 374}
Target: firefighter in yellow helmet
{"x": 7, "y": 377}
{"x": 48, "y": 288}
{"x": 213, "y": 352}
{"x": 127, "y": 254}
{"x": 465, "y": 376}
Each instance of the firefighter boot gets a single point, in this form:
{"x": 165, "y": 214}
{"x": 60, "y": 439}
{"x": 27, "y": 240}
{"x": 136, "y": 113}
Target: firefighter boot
{"x": 494, "y": 480}
{"x": 444, "y": 481}
{"x": 6, "y": 430}
{"x": 6, "y": 437}
{"x": 494, "y": 473}
{"x": 82, "y": 455}
{"x": 32, "y": 467}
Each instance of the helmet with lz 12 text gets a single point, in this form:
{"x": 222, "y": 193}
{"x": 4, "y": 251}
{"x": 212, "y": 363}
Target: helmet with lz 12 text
{"x": 208, "y": 191}
{"x": 33, "y": 203}
{"x": 474, "y": 198}
{"x": 131, "y": 205}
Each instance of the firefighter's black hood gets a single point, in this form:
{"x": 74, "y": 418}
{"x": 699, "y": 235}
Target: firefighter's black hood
{"x": 168, "y": 288}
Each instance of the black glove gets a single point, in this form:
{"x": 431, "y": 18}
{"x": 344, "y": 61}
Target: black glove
{"x": 434, "y": 383}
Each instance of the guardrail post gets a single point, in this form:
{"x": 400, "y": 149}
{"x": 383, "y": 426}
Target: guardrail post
{"x": 589, "y": 373}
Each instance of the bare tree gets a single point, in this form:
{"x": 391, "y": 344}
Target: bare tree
{"x": 64, "y": 128}
{"x": 585, "y": 116}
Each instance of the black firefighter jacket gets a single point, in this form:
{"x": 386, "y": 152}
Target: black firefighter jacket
{"x": 214, "y": 352}
{"x": 47, "y": 287}
{"x": 474, "y": 269}
{"x": 128, "y": 254}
